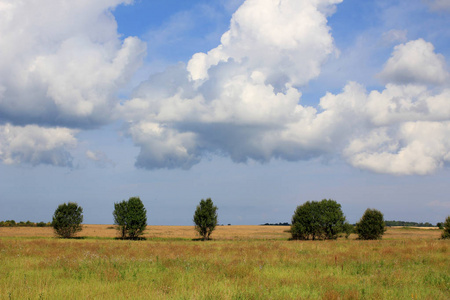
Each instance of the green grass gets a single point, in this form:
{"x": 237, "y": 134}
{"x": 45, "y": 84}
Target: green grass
{"x": 252, "y": 269}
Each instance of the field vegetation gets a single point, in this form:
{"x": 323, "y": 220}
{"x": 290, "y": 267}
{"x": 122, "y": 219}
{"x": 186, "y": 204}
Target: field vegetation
{"x": 241, "y": 262}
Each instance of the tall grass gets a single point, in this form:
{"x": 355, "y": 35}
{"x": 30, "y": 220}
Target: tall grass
{"x": 227, "y": 269}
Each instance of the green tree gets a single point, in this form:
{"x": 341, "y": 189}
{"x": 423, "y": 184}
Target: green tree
{"x": 205, "y": 218}
{"x": 371, "y": 226}
{"x": 120, "y": 217}
{"x": 67, "y": 219}
{"x": 131, "y": 218}
{"x": 317, "y": 220}
{"x": 446, "y": 233}
{"x": 41, "y": 224}
{"x": 332, "y": 218}
{"x": 304, "y": 222}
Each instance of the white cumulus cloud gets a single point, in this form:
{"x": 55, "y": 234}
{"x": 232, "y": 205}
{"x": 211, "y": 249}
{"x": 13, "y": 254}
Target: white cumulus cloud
{"x": 401, "y": 130}
{"x": 36, "y": 145}
{"x": 270, "y": 36}
{"x": 243, "y": 100}
{"x": 62, "y": 62}
{"x": 238, "y": 99}
{"x": 415, "y": 62}
{"x": 410, "y": 148}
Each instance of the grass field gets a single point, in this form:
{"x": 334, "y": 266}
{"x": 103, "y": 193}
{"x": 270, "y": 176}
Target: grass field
{"x": 242, "y": 262}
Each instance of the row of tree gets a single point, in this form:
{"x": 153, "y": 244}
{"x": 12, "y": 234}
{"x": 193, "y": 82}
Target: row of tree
{"x": 325, "y": 220}
{"x": 312, "y": 220}
{"x": 130, "y": 216}
{"x": 407, "y": 223}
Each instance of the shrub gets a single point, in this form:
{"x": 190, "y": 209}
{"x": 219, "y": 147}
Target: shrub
{"x": 67, "y": 219}
{"x": 371, "y": 226}
{"x": 205, "y": 218}
{"x": 348, "y": 229}
{"x": 26, "y": 224}
{"x": 11, "y": 223}
{"x": 446, "y": 233}
{"x": 131, "y": 218}
{"x": 317, "y": 220}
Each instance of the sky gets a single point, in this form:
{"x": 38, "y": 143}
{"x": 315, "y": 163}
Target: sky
{"x": 260, "y": 105}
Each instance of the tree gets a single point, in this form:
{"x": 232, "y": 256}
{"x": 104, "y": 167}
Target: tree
{"x": 67, "y": 219}
{"x": 131, "y": 216}
{"x": 317, "y": 220}
{"x": 205, "y": 218}
{"x": 371, "y": 226}
{"x": 304, "y": 222}
{"x": 120, "y": 216}
{"x": 332, "y": 217}
{"x": 446, "y": 233}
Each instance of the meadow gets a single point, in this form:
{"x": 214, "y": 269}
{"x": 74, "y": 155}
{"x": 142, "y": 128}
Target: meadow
{"x": 242, "y": 262}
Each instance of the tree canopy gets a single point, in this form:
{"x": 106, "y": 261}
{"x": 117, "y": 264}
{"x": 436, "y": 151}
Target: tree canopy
{"x": 371, "y": 226}
{"x": 205, "y": 218}
{"x": 446, "y": 233}
{"x": 67, "y": 219}
{"x": 317, "y": 220}
{"x": 131, "y": 217}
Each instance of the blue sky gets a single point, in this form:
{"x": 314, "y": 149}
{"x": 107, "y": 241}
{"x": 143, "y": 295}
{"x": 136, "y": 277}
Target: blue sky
{"x": 260, "y": 105}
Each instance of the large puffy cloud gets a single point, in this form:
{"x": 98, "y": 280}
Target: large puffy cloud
{"x": 270, "y": 36}
{"x": 62, "y": 62}
{"x": 233, "y": 101}
{"x": 61, "y": 65}
{"x": 401, "y": 130}
{"x": 410, "y": 148}
{"x": 239, "y": 99}
{"x": 36, "y": 145}
{"x": 242, "y": 99}
{"x": 415, "y": 62}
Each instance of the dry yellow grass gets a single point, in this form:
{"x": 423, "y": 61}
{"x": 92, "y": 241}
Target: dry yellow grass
{"x": 234, "y": 232}
{"x": 170, "y": 232}
{"x": 412, "y": 233}
{"x": 243, "y": 262}
{"x": 26, "y": 232}
{"x": 50, "y": 268}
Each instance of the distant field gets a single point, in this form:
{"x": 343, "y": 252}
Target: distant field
{"x": 242, "y": 262}
{"x": 221, "y": 233}
{"x": 166, "y": 232}
{"x": 171, "y": 232}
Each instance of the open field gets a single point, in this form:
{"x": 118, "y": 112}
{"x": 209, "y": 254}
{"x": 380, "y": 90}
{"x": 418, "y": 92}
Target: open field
{"x": 170, "y": 232}
{"x": 221, "y": 233}
{"x": 242, "y": 262}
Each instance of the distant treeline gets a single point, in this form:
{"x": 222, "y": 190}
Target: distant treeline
{"x": 12, "y": 223}
{"x": 276, "y": 224}
{"x": 388, "y": 223}
{"x": 404, "y": 223}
